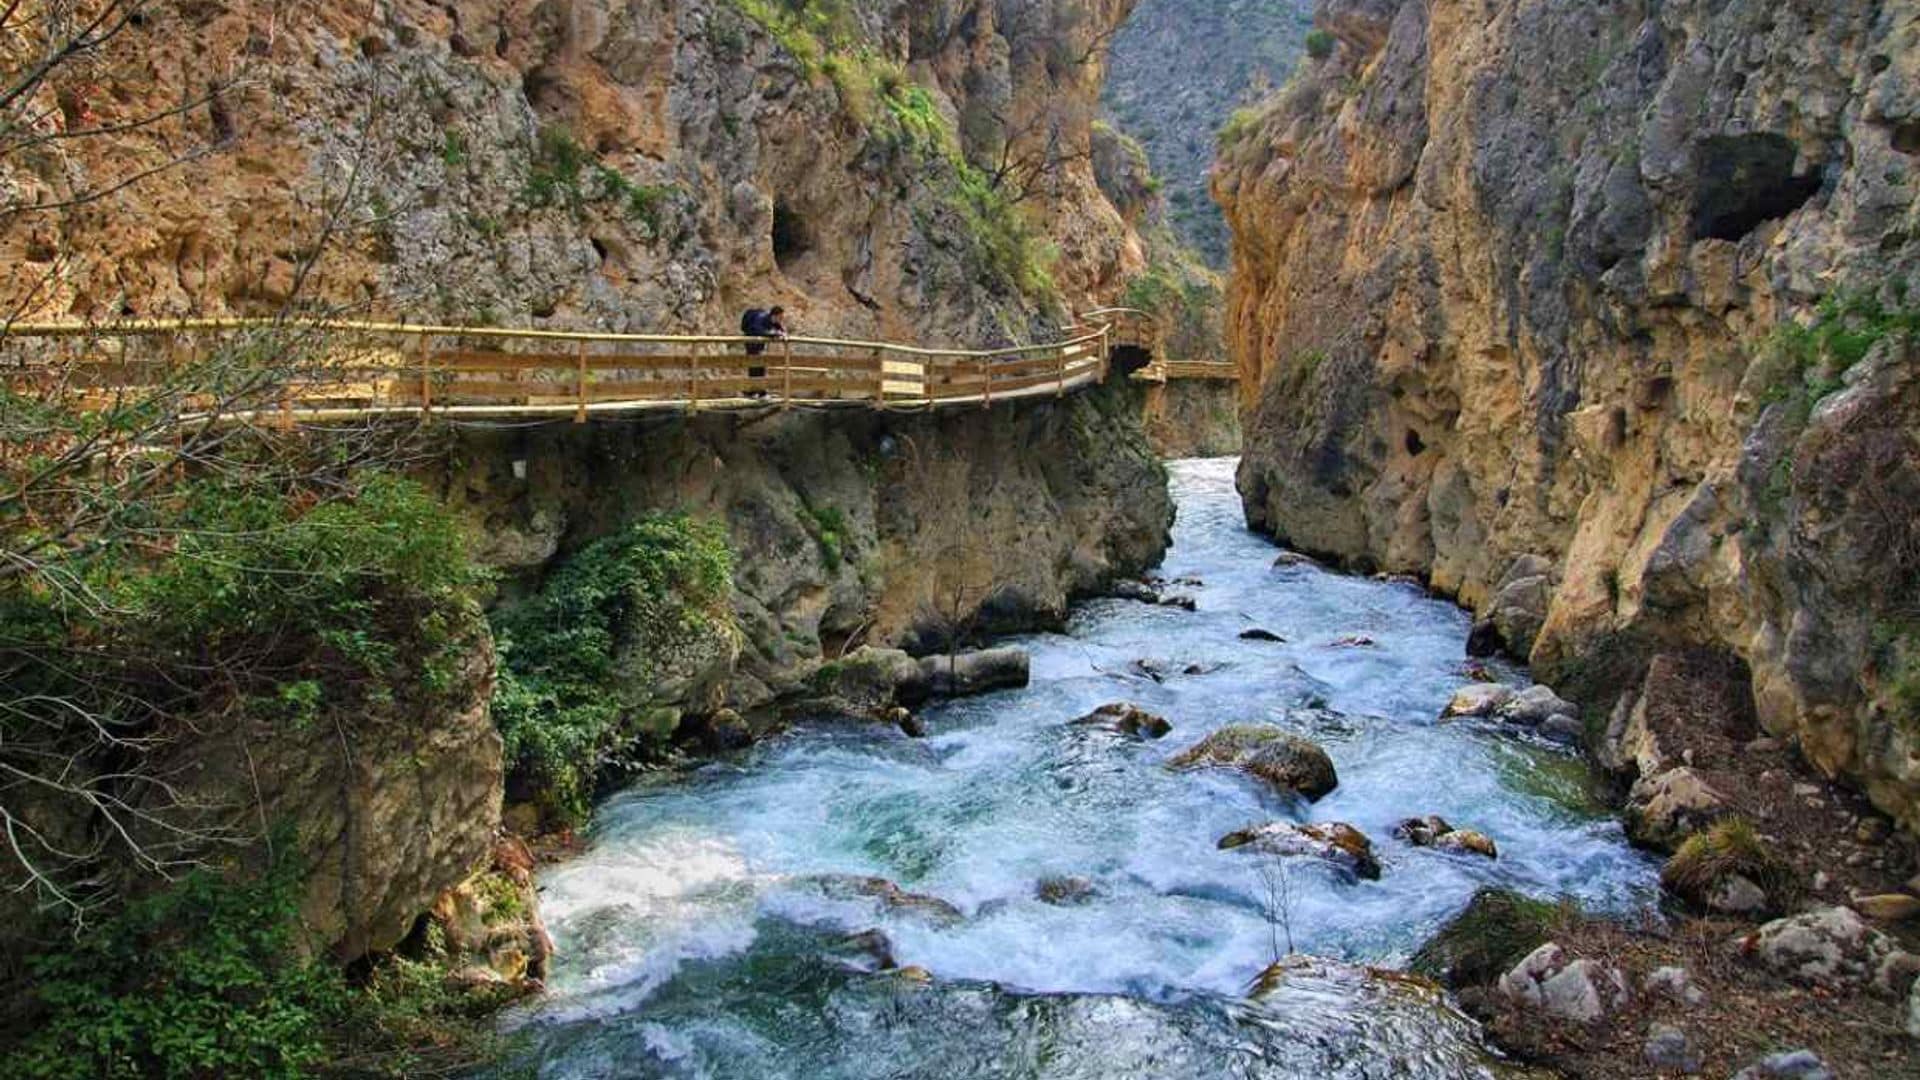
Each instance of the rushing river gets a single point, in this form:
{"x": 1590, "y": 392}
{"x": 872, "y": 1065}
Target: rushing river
{"x": 696, "y": 938}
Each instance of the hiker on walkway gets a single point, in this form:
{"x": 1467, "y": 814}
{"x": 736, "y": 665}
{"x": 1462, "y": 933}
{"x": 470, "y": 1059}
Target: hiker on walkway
{"x": 769, "y": 323}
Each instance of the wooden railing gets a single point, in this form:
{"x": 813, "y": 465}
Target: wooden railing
{"x": 367, "y": 369}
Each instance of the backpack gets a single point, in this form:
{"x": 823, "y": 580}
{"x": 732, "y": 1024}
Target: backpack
{"x": 754, "y": 322}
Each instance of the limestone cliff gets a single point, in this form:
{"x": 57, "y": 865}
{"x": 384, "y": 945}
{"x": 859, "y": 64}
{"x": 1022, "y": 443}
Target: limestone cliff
{"x": 849, "y": 527}
{"x": 1529, "y": 298}
{"x": 881, "y": 168}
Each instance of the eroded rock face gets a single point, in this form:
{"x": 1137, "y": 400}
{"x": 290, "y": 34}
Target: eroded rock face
{"x": 1508, "y": 277}
{"x": 734, "y": 171}
{"x": 1055, "y": 500}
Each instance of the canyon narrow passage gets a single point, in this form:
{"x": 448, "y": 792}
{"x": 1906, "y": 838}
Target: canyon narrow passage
{"x": 1047, "y": 898}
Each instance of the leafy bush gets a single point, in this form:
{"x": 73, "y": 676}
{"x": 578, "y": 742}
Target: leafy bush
{"x": 1320, "y": 44}
{"x": 204, "y": 979}
{"x": 578, "y": 659}
{"x": 1239, "y": 125}
{"x": 207, "y": 978}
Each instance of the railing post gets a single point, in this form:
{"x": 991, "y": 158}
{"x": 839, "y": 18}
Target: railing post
{"x": 580, "y": 381}
{"x": 786, "y": 374}
{"x": 426, "y": 381}
{"x": 693, "y": 381}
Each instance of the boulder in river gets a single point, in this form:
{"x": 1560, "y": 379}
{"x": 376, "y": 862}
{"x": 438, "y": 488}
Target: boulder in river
{"x": 1124, "y": 719}
{"x": 1434, "y": 831}
{"x": 1289, "y": 763}
{"x": 1534, "y": 706}
{"x": 1133, "y": 590}
{"x": 1334, "y": 842}
{"x": 1257, "y": 634}
{"x": 1480, "y": 699}
{"x": 1063, "y": 890}
{"x": 891, "y": 897}
{"x": 976, "y": 672}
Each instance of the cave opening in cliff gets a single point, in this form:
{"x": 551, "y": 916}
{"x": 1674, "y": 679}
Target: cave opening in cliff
{"x": 792, "y": 237}
{"x": 1745, "y": 181}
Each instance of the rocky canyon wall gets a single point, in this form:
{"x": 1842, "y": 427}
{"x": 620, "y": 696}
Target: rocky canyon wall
{"x": 1597, "y": 316}
{"x": 633, "y": 165}
{"x": 849, "y": 527}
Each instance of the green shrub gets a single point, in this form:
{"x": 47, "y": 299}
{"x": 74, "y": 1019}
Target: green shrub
{"x": 577, "y": 660}
{"x": 558, "y": 161}
{"x": 1320, "y": 44}
{"x": 1239, "y": 125}
{"x": 204, "y": 979}
{"x": 208, "y": 978}
{"x": 1730, "y": 846}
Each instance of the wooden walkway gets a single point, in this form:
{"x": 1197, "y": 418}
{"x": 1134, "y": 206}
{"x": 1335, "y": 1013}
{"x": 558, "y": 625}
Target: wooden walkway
{"x": 362, "y": 369}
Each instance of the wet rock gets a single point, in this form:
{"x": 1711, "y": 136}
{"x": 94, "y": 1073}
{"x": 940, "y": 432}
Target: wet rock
{"x": 1133, "y": 590}
{"x": 1534, "y": 706}
{"x": 1496, "y": 929}
{"x": 1827, "y": 947}
{"x": 1062, "y": 891}
{"x": 1289, "y": 763}
{"x": 909, "y": 724}
{"x": 1157, "y": 670}
{"x": 1182, "y": 602}
{"x": 1353, "y": 641}
{"x": 1335, "y": 842}
{"x": 961, "y": 674}
{"x": 1673, "y": 983}
{"x": 867, "y": 951}
{"x": 1258, "y": 634}
{"x": 1477, "y": 671}
{"x": 870, "y": 679}
{"x": 891, "y": 897}
{"x": 490, "y": 926}
{"x": 1484, "y": 639}
{"x": 1668, "y": 1051}
{"x": 1552, "y": 981}
{"x": 1433, "y": 831}
{"x": 718, "y": 732}
{"x": 1565, "y": 730}
{"x": 1293, "y": 558}
{"x": 1125, "y": 719}
{"x": 1790, "y": 1065}
{"x": 1888, "y": 907}
{"x": 1201, "y": 669}
{"x": 1480, "y": 699}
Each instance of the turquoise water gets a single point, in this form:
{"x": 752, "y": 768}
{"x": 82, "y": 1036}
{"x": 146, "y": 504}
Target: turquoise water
{"x": 696, "y": 939}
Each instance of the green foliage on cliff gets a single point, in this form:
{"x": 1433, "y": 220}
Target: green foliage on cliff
{"x": 1186, "y": 301}
{"x": 566, "y": 174}
{"x": 204, "y": 979}
{"x": 579, "y": 660}
{"x": 1320, "y": 44}
{"x": 207, "y": 978}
